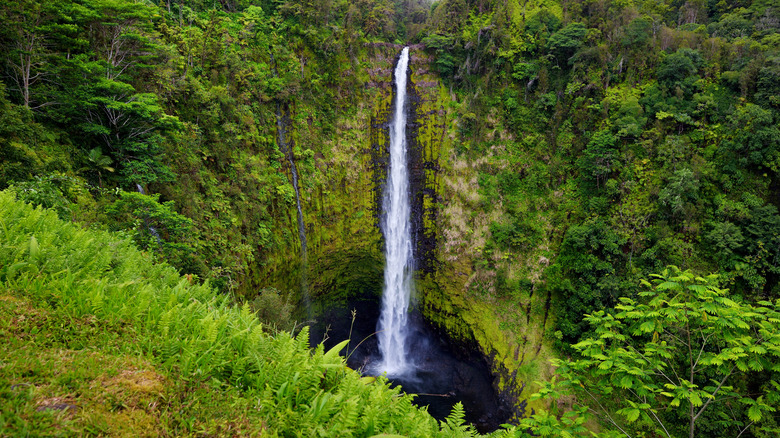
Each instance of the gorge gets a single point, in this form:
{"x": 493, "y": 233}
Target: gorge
{"x": 393, "y": 339}
{"x": 562, "y": 159}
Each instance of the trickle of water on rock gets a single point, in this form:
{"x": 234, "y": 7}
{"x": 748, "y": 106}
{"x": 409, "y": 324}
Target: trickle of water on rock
{"x": 152, "y": 230}
{"x": 393, "y": 324}
{"x": 286, "y": 148}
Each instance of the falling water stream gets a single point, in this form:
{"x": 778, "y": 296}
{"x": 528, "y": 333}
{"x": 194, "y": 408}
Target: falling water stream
{"x": 152, "y": 230}
{"x": 284, "y": 146}
{"x": 393, "y": 324}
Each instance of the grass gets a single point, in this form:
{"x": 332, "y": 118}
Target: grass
{"x": 59, "y": 377}
{"x": 64, "y": 376}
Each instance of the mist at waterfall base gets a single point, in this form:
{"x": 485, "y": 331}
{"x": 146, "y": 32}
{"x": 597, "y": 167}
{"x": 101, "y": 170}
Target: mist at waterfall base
{"x": 449, "y": 373}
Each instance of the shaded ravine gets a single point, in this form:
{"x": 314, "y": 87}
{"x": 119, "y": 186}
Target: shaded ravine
{"x": 444, "y": 373}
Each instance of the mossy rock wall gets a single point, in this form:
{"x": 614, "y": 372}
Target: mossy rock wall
{"x": 341, "y": 175}
{"x": 457, "y": 279}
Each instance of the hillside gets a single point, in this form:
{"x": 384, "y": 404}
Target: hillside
{"x": 562, "y": 154}
{"x": 100, "y": 340}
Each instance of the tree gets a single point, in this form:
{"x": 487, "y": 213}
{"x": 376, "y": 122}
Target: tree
{"x": 156, "y": 226}
{"x": 600, "y": 158}
{"x": 54, "y": 191}
{"x": 564, "y": 43}
{"x": 681, "y": 194}
{"x": 448, "y": 53}
{"x": 684, "y": 356}
{"x": 768, "y": 86}
{"x": 128, "y": 124}
{"x": 27, "y": 149}
{"x": 637, "y": 33}
{"x": 25, "y": 54}
{"x": 678, "y": 66}
{"x": 119, "y": 33}
{"x": 586, "y": 273}
{"x": 762, "y": 248}
{"x": 96, "y": 162}
{"x": 756, "y": 138}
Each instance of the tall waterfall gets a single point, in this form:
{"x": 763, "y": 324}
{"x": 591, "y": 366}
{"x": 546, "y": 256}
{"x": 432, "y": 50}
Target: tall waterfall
{"x": 398, "y": 238}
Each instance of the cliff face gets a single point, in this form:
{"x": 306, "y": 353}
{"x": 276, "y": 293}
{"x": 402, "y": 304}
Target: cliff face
{"x": 341, "y": 194}
{"x": 341, "y": 174}
{"x": 456, "y": 282}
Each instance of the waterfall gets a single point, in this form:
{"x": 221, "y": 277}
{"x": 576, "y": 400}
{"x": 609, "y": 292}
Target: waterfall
{"x": 398, "y": 239}
{"x": 284, "y": 146}
{"x": 152, "y": 230}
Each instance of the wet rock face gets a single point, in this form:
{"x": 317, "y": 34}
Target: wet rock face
{"x": 380, "y": 153}
{"x": 424, "y": 137}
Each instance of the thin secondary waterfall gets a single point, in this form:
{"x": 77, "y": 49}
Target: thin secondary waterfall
{"x": 284, "y": 146}
{"x": 152, "y": 230}
{"x": 393, "y": 324}
{"x": 294, "y": 170}
{"x": 286, "y": 149}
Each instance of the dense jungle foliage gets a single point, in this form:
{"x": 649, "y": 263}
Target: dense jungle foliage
{"x": 611, "y": 139}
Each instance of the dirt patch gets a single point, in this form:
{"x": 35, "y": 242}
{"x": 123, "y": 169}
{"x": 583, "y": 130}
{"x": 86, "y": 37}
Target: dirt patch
{"x": 65, "y": 404}
{"x": 135, "y": 388}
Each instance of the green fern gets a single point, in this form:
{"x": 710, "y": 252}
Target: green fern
{"x": 455, "y": 423}
{"x": 96, "y": 299}
{"x": 345, "y": 422}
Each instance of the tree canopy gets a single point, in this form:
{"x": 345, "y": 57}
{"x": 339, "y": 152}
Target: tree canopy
{"x": 683, "y": 358}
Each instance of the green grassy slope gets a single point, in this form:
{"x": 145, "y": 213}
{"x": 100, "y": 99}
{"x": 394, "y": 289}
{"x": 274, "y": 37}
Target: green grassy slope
{"x": 99, "y": 340}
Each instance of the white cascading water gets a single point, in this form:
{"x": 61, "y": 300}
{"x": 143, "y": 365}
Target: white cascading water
{"x": 398, "y": 239}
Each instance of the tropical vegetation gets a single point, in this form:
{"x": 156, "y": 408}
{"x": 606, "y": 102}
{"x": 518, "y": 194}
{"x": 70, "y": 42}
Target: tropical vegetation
{"x": 589, "y": 165}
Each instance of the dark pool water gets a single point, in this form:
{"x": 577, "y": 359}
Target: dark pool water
{"x": 441, "y": 375}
